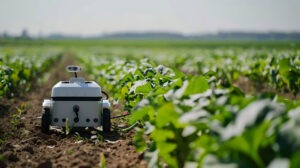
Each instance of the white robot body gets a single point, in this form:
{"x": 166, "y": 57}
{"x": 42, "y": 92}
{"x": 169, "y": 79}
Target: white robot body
{"x": 77, "y": 102}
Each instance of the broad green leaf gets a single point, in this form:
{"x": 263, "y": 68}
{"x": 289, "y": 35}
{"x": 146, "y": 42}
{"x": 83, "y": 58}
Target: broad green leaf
{"x": 145, "y": 88}
{"x": 284, "y": 65}
{"x": 289, "y": 134}
{"x": 140, "y": 113}
{"x": 164, "y": 151}
{"x": 254, "y": 113}
{"x": 138, "y": 74}
{"x": 162, "y": 134}
{"x": 177, "y": 83}
{"x": 128, "y": 77}
{"x": 138, "y": 141}
{"x": 238, "y": 143}
{"x": 196, "y": 85}
{"x": 295, "y": 161}
{"x": 165, "y": 115}
{"x": 124, "y": 91}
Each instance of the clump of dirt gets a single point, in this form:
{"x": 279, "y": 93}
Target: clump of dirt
{"x": 26, "y": 146}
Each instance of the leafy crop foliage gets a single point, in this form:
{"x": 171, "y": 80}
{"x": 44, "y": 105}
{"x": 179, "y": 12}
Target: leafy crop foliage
{"x": 19, "y": 69}
{"x": 189, "y": 99}
{"x": 18, "y": 66}
{"x": 193, "y": 113}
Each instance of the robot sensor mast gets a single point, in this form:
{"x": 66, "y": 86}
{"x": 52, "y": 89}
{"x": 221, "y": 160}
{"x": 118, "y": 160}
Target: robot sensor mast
{"x": 73, "y": 68}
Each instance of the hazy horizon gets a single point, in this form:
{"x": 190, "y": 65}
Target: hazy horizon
{"x": 88, "y": 18}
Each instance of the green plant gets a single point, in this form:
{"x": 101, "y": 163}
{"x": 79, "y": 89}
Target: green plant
{"x": 19, "y": 66}
{"x": 102, "y": 163}
{"x": 16, "y": 117}
{"x": 78, "y": 137}
{"x": 198, "y": 116}
{"x": 69, "y": 152}
{"x": 67, "y": 129}
{"x": 100, "y": 137}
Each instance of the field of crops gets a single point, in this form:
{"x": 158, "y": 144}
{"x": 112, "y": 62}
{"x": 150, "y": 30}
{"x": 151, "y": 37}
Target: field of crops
{"x": 19, "y": 66}
{"x": 192, "y": 107}
{"x": 217, "y": 106}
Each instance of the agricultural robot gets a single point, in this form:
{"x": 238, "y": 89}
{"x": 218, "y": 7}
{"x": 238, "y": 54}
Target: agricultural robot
{"x": 77, "y": 103}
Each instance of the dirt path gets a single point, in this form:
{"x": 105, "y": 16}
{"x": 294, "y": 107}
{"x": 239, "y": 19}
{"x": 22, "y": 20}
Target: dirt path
{"x": 26, "y": 146}
{"x": 255, "y": 88}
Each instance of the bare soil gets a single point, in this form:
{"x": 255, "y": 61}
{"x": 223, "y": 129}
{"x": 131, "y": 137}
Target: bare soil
{"x": 253, "y": 87}
{"x": 26, "y": 146}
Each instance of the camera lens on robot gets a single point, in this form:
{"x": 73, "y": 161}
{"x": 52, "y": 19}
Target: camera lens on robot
{"x": 73, "y": 68}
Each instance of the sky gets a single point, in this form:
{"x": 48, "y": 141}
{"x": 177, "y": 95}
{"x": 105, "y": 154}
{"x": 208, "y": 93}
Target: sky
{"x": 95, "y": 17}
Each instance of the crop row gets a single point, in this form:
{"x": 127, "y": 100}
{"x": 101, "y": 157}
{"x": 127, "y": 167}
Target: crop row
{"x": 19, "y": 66}
{"x": 268, "y": 69}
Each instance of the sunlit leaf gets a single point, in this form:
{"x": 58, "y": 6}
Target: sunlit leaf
{"x": 197, "y": 85}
